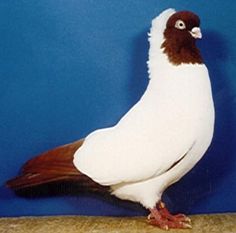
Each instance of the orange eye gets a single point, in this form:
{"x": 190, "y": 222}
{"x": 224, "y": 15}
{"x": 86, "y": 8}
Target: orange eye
{"x": 180, "y": 24}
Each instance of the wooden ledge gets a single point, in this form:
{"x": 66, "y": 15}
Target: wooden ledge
{"x": 222, "y": 223}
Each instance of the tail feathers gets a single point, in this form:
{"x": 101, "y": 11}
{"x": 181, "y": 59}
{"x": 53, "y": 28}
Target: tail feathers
{"x": 31, "y": 180}
{"x": 53, "y": 166}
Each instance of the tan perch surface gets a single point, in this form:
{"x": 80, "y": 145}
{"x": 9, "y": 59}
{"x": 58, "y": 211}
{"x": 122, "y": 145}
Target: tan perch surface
{"x": 222, "y": 223}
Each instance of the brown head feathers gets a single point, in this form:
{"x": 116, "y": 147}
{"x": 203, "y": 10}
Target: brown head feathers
{"x": 180, "y": 35}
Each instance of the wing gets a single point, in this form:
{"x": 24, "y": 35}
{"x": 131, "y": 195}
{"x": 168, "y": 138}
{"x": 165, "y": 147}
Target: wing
{"x": 137, "y": 148}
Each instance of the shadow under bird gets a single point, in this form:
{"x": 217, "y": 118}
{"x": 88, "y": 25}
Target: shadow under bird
{"x": 156, "y": 142}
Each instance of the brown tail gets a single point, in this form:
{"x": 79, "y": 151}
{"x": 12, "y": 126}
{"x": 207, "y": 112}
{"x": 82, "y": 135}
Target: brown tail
{"x": 53, "y": 166}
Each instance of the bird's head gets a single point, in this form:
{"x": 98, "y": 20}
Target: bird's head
{"x": 182, "y": 30}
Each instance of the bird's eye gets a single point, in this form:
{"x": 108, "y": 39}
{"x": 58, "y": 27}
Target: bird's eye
{"x": 180, "y": 24}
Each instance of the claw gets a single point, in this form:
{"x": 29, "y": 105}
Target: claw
{"x": 187, "y": 226}
{"x": 165, "y": 227}
{"x": 187, "y": 219}
{"x": 161, "y": 205}
{"x": 182, "y": 218}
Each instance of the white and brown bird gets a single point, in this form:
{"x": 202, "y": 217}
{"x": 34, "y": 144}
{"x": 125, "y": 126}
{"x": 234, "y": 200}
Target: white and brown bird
{"x": 157, "y": 142}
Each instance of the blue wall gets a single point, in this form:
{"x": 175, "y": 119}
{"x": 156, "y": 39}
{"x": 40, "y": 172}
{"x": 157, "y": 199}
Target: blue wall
{"x": 69, "y": 67}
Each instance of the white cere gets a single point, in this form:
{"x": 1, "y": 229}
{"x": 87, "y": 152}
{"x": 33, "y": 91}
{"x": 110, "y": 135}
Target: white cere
{"x": 180, "y": 24}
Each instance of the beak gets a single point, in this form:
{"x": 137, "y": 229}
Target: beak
{"x": 196, "y": 33}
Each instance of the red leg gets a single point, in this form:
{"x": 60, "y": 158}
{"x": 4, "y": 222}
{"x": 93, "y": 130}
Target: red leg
{"x": 166, "y": 214}
{"x": 155, "y": 218}
{"x": 162, "y": 218}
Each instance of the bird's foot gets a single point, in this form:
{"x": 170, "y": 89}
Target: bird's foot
{"x": 161, "y": 217}
{"x": 166, "y": 214}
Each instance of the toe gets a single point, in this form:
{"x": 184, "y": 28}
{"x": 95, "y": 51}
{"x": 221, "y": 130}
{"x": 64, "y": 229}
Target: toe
{"x": 162, "y": 225}
{"x": 182, "y": 218}
{"x": 179, "y": 225}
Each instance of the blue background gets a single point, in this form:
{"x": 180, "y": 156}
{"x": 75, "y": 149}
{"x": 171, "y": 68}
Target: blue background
{"x": 70, "y": 67}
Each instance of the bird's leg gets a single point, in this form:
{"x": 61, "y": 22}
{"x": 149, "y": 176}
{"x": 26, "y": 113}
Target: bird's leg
{"x": 162, "y": 218}
{"x": 166, "y": 214}
{"x": 155, "y": 218}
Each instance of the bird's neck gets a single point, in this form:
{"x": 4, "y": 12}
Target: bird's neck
{"x": 185, "y": 53}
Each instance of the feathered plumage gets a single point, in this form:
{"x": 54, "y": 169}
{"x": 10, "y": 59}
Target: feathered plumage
{"x": 157, "y": 142}
{"x": 54, "y": 166}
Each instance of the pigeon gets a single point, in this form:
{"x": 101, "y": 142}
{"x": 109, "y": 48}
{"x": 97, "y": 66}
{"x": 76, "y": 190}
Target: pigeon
{"x": 156, "y": 142}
